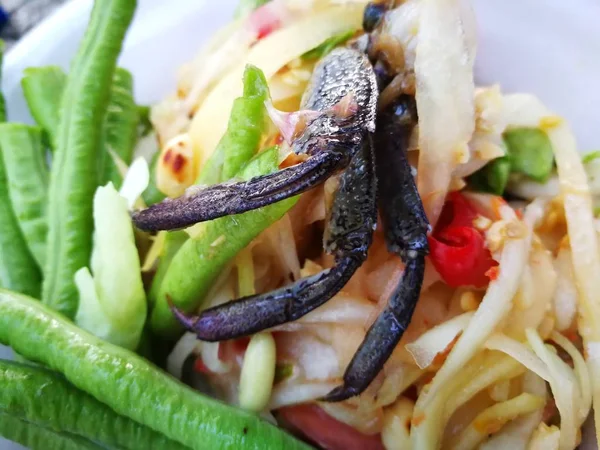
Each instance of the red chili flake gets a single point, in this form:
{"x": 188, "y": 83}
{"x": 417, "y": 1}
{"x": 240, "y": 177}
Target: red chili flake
{"x": 167, "y": 156}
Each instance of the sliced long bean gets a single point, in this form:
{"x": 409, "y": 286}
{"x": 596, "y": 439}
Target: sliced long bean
{"x": 201, "y": 258}
{"x": 43, "y": 88}
{"x": 120, "y": 127}
{"x": 73, "y": 179}
{"x": 35, "y": 437}
{"x": 130, "y": 385}
{"x": 244, "y": 131}
{"x": 24, "y": 157}
{"x": 45, "y": 398}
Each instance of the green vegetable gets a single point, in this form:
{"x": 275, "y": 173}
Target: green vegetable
{"x": 24, "y": 159}
{"x": 245, "y": 7}
{"x": 73, "y": 179}
{"x": 244, "y": 131}
{"x": 589, "y": 157}
{"x": 46, "y": 399}
{"x": 214, "y": 244}
{"x": 43, "y": 88}
{"x": 328, "y": 45}
{"x": 173, "y": 242}
{"x": 18, "y": 270}
{"x": 120, "y": 128}
{"x": 2, "y": 102}
{"x": 35, "y": 437}
{"x": 530, "y": 152}
{"x": 493, "y": 177}
{"x": 130, "y": 385}
{"x": 283, "y": 371}
{"x": 152, "y": 194}
{"x": 144, "y": 124}
{"x": 112, "y": 304}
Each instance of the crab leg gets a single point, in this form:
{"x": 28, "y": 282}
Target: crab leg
{"x": 350, "y": 233}
{"x": 235, "y": 198}
{"x": 406, "y": 228}
{"x": 343, "y": 95}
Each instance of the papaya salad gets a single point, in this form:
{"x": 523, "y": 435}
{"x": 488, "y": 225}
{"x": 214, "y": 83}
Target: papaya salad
{"x": 329, "y": 228}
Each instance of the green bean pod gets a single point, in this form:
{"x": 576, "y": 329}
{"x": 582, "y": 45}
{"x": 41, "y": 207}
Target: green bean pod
{"x": 120, "y": 128}
{"x": 24, "y": 158}
{"x": 74, "y": 178}
{"x": 130, "y": 385}
{"x": 43, "y": 89}
{"x": 202, "y": 258}
{"x": 45, "y": 398}
{"x": 35, "y": 437}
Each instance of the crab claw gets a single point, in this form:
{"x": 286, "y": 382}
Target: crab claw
{"x": 340, "y": 116}
{"x": 406, "y": 229}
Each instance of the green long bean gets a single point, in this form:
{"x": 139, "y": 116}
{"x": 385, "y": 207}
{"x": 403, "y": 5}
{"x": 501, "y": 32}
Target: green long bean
{"x": 130, "y": 385}
{"x": 43, "y": 88}
{"x": 45, "y": 398}
{"x": 35, "y": 437}
{"x": 73, "y": 178}
{"x": 120, "y": 128}
{"x": 244, "y": 131}
{"x": 201, "y": 258}
{"x": 24, "y": 155}
{"x": 18, "y": 270}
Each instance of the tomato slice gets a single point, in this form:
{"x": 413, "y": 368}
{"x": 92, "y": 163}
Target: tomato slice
{"x": 327, "y": 432}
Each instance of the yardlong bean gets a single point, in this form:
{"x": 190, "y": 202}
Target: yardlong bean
{"x": 129, "y": 384}
{"x": 120, "y": 127}
{"x": 45, "y": 398}
{"x": 43, "y": 88}
{"x": 24, "y": 154}
{"x": 73, "y": 179}
{"x": 18, "y": 270}
{"x": 201, "y": 258}
{"x": 35, "y": 437}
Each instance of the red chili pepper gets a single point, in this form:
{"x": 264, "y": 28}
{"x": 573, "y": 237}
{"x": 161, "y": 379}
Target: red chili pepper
{"x": 457, "y": 248}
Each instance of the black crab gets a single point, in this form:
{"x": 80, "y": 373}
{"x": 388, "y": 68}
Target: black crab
{"x": 369, "y": 146}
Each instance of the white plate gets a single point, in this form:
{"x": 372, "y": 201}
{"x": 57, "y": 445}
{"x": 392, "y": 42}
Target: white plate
{"x": 549, "y": 48}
